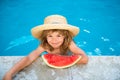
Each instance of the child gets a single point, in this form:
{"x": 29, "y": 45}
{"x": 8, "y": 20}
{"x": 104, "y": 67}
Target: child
{"x": 56, "y": 38}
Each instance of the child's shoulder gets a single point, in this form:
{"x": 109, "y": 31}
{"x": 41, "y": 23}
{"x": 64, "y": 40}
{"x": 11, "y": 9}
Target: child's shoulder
{"x": 72, "y": 43}
{"x": 40, "y": 49}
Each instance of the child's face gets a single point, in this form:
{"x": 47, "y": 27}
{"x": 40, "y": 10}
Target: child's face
{"x": 55, "y": 39}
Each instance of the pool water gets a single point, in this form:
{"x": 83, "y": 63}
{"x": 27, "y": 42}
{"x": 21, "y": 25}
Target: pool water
{"x": 98, "y": 20}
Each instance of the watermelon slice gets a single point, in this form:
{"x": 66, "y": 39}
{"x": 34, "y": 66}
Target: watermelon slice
{"x": 60, "y": 61}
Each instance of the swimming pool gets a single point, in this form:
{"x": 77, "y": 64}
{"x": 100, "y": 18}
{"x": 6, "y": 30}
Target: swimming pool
{"x": 99, "y": 22}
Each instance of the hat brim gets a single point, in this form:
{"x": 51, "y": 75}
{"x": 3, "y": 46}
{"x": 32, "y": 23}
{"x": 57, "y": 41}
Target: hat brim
{"x": 36, "y": 31}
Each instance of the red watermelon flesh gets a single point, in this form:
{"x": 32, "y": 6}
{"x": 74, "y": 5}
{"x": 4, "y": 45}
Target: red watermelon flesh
{"x": 60, "y": 61}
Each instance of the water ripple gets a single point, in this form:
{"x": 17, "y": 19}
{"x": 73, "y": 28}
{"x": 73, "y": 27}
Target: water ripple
{"x": 19, "y": 41}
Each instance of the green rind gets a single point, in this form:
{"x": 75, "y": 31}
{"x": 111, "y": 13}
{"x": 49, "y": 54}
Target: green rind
{"x": 62, "y": 66}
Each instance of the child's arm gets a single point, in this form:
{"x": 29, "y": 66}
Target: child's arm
{"x": 23, "y": 63}
{"x": 76, "y": 50}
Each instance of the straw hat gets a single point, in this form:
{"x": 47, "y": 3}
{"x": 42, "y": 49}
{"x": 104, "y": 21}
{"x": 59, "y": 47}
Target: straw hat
{"x": 54, "y": 22}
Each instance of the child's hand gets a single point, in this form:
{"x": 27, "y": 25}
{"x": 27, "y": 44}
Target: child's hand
{"x": 83, "y": 60}
{"x": 7, "y": 77}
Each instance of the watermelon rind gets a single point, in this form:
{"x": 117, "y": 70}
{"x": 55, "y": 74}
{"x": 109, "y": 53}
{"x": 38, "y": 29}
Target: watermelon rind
{"x": 58, "y": 67}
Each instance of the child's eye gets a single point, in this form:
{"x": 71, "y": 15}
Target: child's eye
{"x": 49, "y": 36}
{"x": 59, "y": 35}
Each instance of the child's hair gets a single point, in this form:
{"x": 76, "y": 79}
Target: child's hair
{"x": 64, "y": 47}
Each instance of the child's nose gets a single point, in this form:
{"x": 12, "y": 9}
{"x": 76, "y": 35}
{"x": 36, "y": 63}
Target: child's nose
{"x": 54, "y": 39}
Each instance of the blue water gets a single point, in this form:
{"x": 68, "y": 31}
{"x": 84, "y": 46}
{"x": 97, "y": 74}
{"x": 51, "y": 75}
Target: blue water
{"x": 99, "y": 22}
